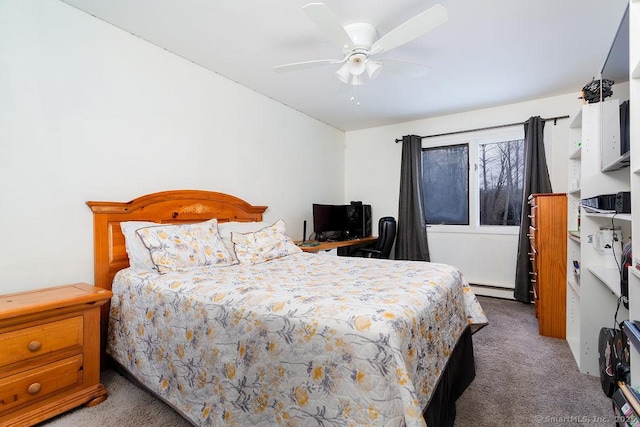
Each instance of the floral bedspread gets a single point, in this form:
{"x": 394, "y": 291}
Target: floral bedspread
{"x": 304, "y": 340}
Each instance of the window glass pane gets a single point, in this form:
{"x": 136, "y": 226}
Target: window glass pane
{"x": 445, "y": 175}
{"x": 501, "y": 178}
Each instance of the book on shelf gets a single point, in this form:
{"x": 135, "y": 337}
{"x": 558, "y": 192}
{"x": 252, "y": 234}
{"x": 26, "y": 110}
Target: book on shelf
{"x": 576, "y": 271}
{"x": 635, "y": 392}
{"x": 626, "y": 403}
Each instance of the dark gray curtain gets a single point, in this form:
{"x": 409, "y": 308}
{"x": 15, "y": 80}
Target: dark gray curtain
{"x": 411, "y": 238}
{"x": 536, "y": 180}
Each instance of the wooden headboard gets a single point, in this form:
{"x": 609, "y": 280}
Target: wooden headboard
{"x": 178, "y": 206}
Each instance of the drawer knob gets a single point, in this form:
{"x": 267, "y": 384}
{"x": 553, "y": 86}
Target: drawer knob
{"x": 34, "y": 345}
{"x": 34, "y": 388}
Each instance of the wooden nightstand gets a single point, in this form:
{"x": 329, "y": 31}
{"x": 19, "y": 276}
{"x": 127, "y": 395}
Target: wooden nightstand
{"x": 50, "y": 352}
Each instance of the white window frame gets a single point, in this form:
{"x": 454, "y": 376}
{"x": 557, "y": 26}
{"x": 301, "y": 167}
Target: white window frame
{"x": 474, "y": 139}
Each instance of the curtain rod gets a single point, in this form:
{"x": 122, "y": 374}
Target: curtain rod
{"x": 555, "y": 120}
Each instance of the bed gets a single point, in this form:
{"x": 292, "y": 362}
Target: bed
{"x": 279, "y": 338}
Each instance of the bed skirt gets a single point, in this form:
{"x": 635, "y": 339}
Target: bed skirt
{"x": 459, "y": 373}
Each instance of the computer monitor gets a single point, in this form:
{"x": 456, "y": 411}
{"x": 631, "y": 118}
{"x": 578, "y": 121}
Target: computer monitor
{"x": 329, "y": 221}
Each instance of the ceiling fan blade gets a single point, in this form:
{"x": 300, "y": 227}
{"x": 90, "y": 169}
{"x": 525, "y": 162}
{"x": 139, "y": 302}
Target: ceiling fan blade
{"x": 304, "y": 65}
{"x": 410, "y": 69}
{"x": 411, "y": 29}
{"x": 328, "y": 23}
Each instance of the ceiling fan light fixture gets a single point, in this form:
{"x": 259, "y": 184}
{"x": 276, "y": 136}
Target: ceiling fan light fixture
{"x": 373, "y": 68}
{"x": 357, "y": 63}
{"x": 357, "y": 80}
{"x": 343, "y": 73}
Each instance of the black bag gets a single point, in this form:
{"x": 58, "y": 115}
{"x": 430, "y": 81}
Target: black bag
{"x": 591, "y": 91}
{"x": 613, "y": 347}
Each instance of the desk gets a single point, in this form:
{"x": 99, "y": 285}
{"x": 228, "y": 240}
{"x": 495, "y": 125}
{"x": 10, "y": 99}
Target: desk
{"x": 326, "y": 246}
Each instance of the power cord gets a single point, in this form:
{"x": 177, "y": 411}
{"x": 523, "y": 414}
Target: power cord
{"x": 614, "y": 239}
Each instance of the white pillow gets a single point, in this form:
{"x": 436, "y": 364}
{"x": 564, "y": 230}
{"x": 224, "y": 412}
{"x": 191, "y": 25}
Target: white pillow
{"x": 183, "y": 246}
{"x": 139, "y": 256}
{"x": 226, "y": 228}
{"x": 263, "y": 245}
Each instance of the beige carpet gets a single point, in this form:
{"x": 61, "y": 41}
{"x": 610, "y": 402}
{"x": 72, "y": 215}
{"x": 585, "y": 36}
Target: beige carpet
{"x": 126, "y": 406}
{"x": 522, "y": 379}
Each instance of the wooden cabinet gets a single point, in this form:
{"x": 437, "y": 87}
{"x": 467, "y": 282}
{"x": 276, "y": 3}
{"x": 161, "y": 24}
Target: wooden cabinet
{"x": 547, "y": 236}
{"x": 50, "y": 358}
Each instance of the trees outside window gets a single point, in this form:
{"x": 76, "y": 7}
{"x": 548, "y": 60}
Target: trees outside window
{"x": 445, "y": 172}
{"x": 501, "y": 178}
{"x": 490, "y": 196}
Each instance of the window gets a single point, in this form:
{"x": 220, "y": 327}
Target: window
{"x": 491, "y": 195}
{"x": 500, "y": 179}
{"x": 445, "y": 174}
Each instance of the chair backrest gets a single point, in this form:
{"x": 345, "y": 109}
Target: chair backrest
{"x": 386, "y": 235}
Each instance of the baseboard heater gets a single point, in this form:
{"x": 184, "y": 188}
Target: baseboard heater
{"x": 499, "y": 288}
{"x": 493, "y": 291}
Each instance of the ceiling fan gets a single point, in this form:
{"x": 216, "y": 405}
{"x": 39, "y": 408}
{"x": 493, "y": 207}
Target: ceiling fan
{"x": 361, "y": 45}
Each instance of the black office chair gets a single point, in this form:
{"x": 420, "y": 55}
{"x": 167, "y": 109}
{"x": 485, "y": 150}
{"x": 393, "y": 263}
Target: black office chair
{"x": 382, "y": 247}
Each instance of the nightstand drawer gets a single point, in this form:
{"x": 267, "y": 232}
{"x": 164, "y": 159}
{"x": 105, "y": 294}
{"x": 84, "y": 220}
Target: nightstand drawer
{"x": 27, "y": 343}
{"x": 37, "y": 383}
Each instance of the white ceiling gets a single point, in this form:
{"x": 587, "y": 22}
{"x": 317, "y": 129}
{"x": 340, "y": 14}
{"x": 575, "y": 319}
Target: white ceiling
{"x": 489, "y": 52}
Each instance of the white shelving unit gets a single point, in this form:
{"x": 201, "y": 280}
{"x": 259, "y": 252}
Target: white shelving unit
{"x": 634, "y": 101}
{"x": 609, "y": 276}
{"x": 592, "y": 301}
{"x": 573, "y": 243}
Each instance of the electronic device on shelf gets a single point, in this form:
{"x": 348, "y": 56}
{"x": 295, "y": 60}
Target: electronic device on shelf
{"x": 625, "y": 128}
{"x": 619, "y": 203}
{"x": 623, "y": 202}
{"x": 601, "y": 202}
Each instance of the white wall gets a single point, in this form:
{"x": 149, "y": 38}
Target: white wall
{"x": 485, "y": 257}
{"x": 90, "y": 112}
